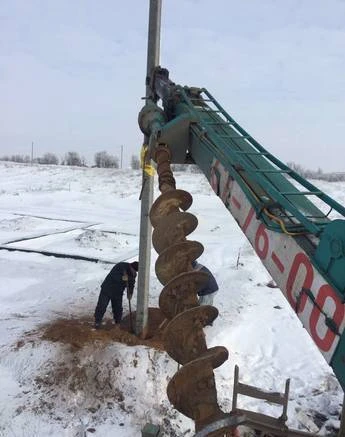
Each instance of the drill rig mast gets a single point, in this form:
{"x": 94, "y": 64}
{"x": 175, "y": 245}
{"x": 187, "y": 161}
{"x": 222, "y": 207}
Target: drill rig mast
{"x": 298, "y": 243}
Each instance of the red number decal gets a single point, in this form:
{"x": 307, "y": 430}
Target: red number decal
{"x": 248, "y": 220}
{"x": 261, "y": 236}
{"x": 326, "y": 291}
{"x": 300, "y": 260}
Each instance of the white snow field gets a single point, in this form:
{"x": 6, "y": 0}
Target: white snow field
{"x": 111, "y": 389}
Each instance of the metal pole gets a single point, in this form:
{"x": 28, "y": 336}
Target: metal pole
{"x": 32, "y": 152}
{"x": 153, "y": 47}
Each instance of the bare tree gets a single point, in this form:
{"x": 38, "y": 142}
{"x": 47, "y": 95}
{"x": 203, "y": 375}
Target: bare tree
{"x": 135, "y": 163}
{"x": 318, "y": 174}
{"x": 105, "y": 160}
{"x": 16, "y": 158}
{"x": 72, "y": 158}
{"x": 83, "y": 161}
{"x": 48, "y": 158}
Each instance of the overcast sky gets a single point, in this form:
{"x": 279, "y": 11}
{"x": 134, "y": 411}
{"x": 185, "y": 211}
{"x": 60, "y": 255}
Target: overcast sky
{"x": 72, "y": 72}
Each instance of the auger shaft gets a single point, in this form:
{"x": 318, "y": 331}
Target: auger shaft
{"x": 192, "y": 389}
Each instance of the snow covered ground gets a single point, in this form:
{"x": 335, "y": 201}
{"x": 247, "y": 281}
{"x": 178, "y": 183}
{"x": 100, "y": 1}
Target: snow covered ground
{"x": 110, "y": 389}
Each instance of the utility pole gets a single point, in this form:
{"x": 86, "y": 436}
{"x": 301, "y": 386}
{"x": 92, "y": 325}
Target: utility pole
{"x": 32, "y": 152}
{"x": 153, "y": 47}
{"x": 121, "y": 155}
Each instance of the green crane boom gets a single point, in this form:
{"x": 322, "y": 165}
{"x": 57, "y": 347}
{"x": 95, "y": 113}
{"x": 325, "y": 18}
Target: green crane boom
{"x": 300, "y": 246}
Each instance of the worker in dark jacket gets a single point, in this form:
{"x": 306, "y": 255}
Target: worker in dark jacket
{"x": 208, "y": 291}
{"x": 121, "y": 276}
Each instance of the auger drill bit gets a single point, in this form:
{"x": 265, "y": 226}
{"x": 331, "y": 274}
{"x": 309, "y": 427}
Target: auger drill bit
{"x": 192, "y": 389}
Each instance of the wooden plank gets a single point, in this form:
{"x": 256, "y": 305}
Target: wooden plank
{"x": 254, "y": 392}
{"x": 262, "y": 418}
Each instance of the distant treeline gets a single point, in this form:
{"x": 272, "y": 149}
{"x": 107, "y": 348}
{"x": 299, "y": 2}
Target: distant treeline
{"x": 102, "y": 159}
{"x": 318, "y": 174}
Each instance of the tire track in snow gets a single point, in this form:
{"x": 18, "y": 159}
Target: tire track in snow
{"x": 88, "y": 225}
{"x": 5, "y": 246}
{"x": 66, "y": 255}
{"x": 47, "y": 234}
{"x": 42, "y": 217}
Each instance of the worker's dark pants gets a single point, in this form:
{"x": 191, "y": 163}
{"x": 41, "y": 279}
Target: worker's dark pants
{"x": 103, "y": 301}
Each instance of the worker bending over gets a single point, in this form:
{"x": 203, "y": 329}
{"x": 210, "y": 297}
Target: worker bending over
{"x": 121, "y": 276}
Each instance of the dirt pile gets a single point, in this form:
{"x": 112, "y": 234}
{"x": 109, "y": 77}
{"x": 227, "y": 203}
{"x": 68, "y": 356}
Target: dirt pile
{"x": 79, "y": 332}
{"x": 93, "y": 376}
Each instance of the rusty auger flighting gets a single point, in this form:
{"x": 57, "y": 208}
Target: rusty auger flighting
{"x": 192, "y": 389}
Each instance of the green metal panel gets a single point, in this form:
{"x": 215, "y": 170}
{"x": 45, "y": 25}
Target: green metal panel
{"x": 274, "y": 191}
{"x": 338, "y": 362}
{"x": 330, "y": 254}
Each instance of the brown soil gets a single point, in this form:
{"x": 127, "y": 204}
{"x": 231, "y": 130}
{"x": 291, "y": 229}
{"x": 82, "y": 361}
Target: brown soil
{"x": 79, "y": 332}
{"x": 98, "y": 386}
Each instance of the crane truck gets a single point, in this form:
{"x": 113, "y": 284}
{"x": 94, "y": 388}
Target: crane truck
{"x": 285, "y": 218}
